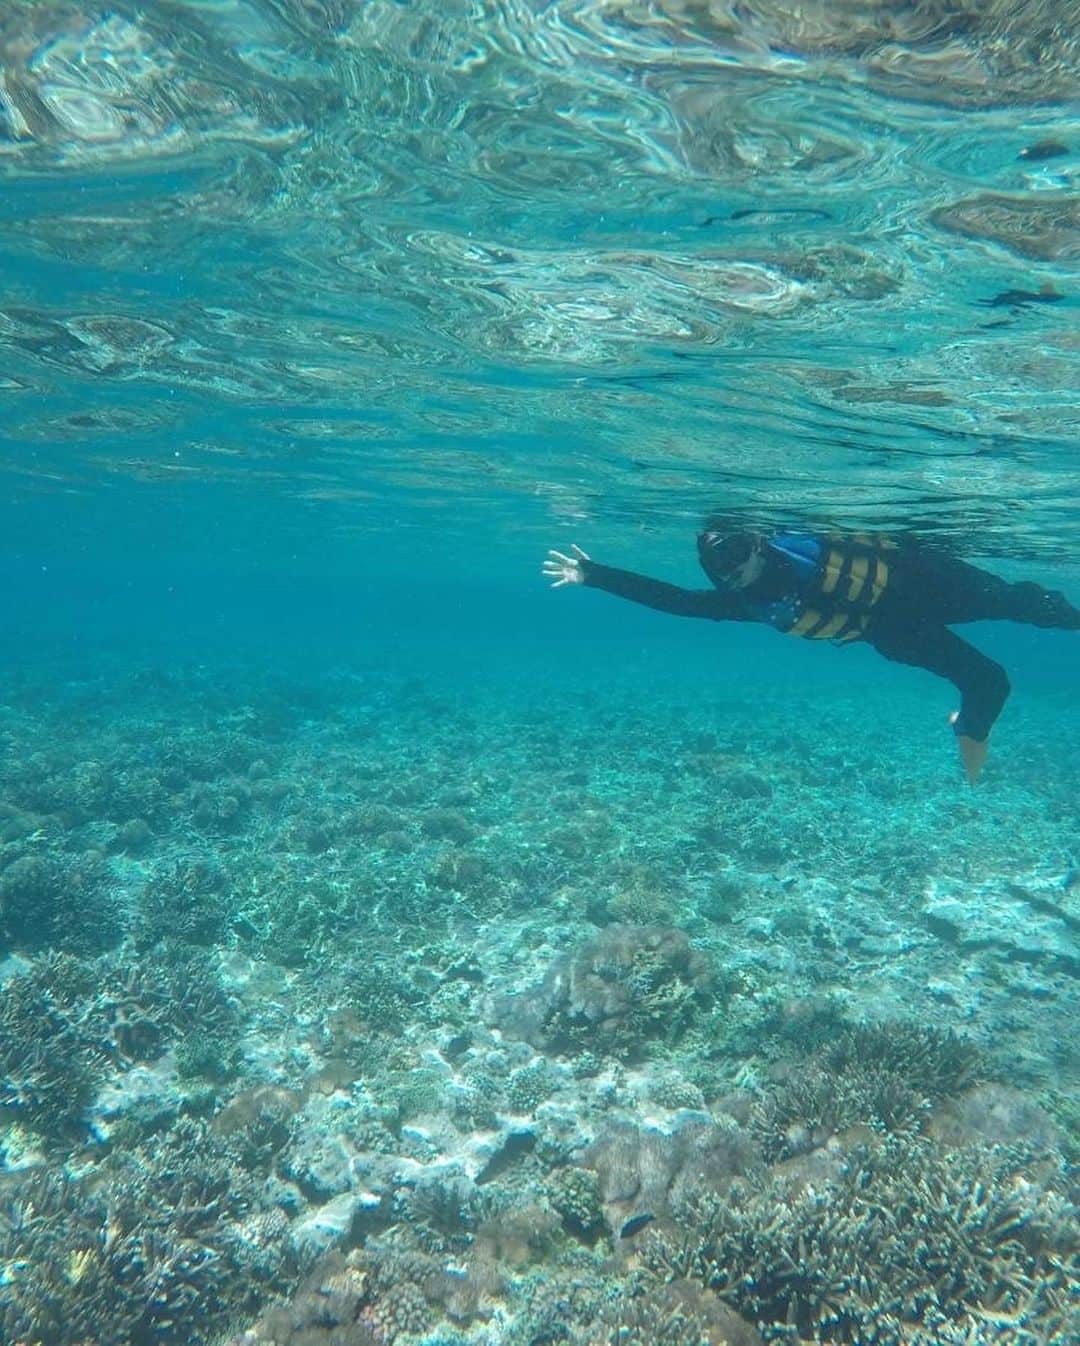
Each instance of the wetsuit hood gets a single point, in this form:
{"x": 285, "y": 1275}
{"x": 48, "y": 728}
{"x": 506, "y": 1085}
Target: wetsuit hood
{"x": 722, "y": 556}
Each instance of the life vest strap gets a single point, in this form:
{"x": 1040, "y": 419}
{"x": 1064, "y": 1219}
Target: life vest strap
{"x": 841, "y": 625}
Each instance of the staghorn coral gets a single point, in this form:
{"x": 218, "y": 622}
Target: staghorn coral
{"x": 624, "y": 989}
{"x": 811, "y": 1106}
{"x": 51, "y": 1058}
{"x": 175, "y": 997}
{"x": 157, "y": 1246}
{"x": 935, "y": 1062}
{"x": 186, "y": 901}
{"x": 64, "y": 1021}
{"x": 886, "y": 1076}
{"x": 903, "y": 1242}
{"x": 210, "y": 1059}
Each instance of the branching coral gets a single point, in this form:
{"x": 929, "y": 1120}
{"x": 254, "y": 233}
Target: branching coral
{"x": 528, "y": 1087}
{"x": 64, "y": 1020}
{"x": 885, "y": 1076}
{"x": 934, "y": 1062}
{"x": 157, "y": 1248}
{"x": 186, "y": 901}
{"x": 574, "y": 1194}
{"x": 50, "y": 1057}
{"x": 380, "y": 994}
{"x": 908, "y": 1241}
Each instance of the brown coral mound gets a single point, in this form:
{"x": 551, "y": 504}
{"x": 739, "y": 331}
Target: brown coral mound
{"x": 372, "y": 1297}
{"x": 325, "y": 1311}
{"x": 681, "y": 1313}
{"x": 628, "y": 986}
{"x": 642, "y": 1174}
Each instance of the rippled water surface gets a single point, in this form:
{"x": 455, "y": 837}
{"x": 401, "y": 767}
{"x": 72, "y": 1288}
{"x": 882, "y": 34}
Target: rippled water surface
{"x": 520, "y": 262}
{"x": 395, "y": 950}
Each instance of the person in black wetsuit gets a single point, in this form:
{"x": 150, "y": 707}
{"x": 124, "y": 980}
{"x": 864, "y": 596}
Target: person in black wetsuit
{"x": 898, "y": 595}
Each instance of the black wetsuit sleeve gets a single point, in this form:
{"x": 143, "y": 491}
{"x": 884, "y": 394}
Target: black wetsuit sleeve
{"x": 983, "y": 685}
{"x": 711, "y": 603}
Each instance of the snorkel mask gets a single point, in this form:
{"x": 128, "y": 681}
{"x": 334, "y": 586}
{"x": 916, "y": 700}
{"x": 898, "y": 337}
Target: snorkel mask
{"x": 731, "y": 560}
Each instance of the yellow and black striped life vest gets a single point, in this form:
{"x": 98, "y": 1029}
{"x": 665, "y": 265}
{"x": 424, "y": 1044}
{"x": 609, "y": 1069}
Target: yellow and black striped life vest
{"x": 843, "y": 577}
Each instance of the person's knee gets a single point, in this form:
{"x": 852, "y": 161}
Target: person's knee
{"x": 982, "y": 701}
{"x": 998, "y": 686}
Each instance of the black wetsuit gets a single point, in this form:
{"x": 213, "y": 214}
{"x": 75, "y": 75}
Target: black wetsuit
{"x": 927, "y": 592}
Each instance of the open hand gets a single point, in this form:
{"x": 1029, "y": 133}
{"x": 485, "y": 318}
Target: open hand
{"x": 565, "y": 569}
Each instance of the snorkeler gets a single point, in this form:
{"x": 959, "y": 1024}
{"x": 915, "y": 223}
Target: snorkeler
{"x": 899, "y": 596}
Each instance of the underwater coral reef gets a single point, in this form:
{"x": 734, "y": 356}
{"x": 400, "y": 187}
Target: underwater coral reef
{"x": 316, "y": 1028}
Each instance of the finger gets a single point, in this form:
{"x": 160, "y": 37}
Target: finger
{"x": 582, "y": 556}
{"x": 558, "y": 556}
{"x": 559, "y": 583}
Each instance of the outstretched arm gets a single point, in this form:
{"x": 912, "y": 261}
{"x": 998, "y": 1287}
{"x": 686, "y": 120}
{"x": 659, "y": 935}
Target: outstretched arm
{"x": 581, "y": 569}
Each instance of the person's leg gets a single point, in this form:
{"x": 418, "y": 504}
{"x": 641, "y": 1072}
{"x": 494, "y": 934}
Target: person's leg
{"x": 955, "y": 591}
{"x": 1031, "y": 603}
{"x": 983, "y": 684}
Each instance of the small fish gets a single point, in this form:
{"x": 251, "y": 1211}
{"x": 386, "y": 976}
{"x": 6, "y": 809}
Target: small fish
{"x": 1043, "y": 149}
{"x": 1046, "y": 294}
{"x": 636, "y": 1224}
{"x": 771, "y": 216}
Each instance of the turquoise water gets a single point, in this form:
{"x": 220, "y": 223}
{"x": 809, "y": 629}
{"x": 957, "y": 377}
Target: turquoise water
{"x": 394, "y": 950}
